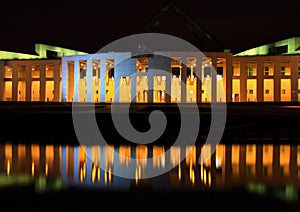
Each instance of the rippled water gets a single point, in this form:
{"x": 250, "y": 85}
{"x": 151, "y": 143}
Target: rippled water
{"x": 262, "y": 171}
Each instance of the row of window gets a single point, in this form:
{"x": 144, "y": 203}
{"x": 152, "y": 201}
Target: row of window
{"x": 267, "y": 91}
{"x": 35, "y": 72}
{"x": 251, "y": 70}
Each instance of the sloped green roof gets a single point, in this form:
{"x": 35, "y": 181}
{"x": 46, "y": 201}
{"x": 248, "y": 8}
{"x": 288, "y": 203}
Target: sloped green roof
{"x": 41, "y": 53}
{"x": 283, "y": 47}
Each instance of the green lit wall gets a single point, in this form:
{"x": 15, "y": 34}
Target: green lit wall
{"x": 41, "y": 53}
{"x": 292, "y": 44}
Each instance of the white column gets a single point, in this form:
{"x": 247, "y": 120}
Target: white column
{"x": 133, "y": 89}
{"x": 183, "y": 76}
{"x": 102, "y": 80}
{"x": 64, "y": 66}
{"x": 150, "y": 88}
{"x": 89, "y": 78}
{"x": 168, "y": 87}
{"x": 57, "y": 83}
{"x": 199, "y": 79}
{"x": 214, "y": 79}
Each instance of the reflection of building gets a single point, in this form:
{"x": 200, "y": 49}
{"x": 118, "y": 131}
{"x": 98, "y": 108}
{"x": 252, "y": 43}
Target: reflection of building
{"x": 229, "y": 165}
{"x": 266, "y": 73}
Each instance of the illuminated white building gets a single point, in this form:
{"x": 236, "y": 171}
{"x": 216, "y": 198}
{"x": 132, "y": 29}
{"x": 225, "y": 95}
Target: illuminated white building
{"x": 264, "y": 74}
{"x": 107, "y": 77}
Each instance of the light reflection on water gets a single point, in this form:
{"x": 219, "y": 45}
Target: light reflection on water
{"x": 258, "y": 168}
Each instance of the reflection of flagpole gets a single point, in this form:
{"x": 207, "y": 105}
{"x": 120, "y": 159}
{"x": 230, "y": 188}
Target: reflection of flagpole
{"x": 171, "y": 4}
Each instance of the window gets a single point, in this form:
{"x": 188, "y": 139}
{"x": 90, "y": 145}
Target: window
{"x": 49, "y": 71}
{"x": 282, "y": 70}
{"x": 266, "y": 71}
{"x": 8, "y": 72}
{"x": 251, "y": 91}
{"x": 22, "y": 72}
{"x": 250, "y": 71}
{"x": 267, "y": 91}
{"x": 268, "y": 68}
{"x": 207, "y": 72}
{"x": 176, "y": 71}
{"x": 35, "y": 72}
{"x": 236, "y": 68}
{"x": 283, "y": 91}
{"x": 220, "y": 71}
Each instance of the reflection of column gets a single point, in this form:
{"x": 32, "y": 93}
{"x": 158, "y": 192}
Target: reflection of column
{"x": 64, "y": 163}
{"x": 89, "y": 79}
{"x": 28, "y": 157}
{"x": 102, "y": 80}
{"x": 56, "y": 160}
{"x": 276, "y": 162}
{"x": 183, "y": 164}
{"x": 213, "y": 168}
{"x": 214, "y": 80}
{"x": 76, "y": 164}
{"x": 133, "y": 89}
{"x": 132, "y": 151}
{"x": 42, "y": 161}
{"x": 199, "y": 79}
{"x": 116, "y": 163}
{"x": 183, "y": 79}
{"x": 42, "y": 82}
{"x": 260, "y": 81}
{"x": 197, "y": 167}
{"x": 2, "y": 158}
{"x": 259, "y": 161}
{"x": 242, "y": 163}
{"x": 88, "y": 164}
{"x": 228, "y": 165}
{"x": 293, "y": 164}
{"x": 102, "y": 162}
{"x": 150, "y": 157}
{"x": 14, "y": 162}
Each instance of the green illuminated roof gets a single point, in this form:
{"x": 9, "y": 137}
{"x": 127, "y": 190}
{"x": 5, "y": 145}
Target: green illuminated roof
{"x": 283, "y": 47}
{"x": 42, "y": 52}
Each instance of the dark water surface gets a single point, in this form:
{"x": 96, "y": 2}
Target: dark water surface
{"x": 255, "y": 167}
{"x": 234, "y": 177}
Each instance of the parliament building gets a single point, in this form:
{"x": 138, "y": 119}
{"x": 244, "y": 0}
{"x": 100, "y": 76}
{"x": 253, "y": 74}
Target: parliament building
{"x": 267, "y": 73}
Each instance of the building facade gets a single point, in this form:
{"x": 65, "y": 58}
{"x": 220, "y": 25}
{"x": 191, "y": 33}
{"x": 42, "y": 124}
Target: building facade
{"x": 269, "y": 73}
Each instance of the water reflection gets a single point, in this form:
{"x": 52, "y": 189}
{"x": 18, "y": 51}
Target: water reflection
{"x": 259, "y": 168}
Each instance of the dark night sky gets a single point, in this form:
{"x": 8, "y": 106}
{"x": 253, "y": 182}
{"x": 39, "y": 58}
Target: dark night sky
{"x": 89, "y": 25}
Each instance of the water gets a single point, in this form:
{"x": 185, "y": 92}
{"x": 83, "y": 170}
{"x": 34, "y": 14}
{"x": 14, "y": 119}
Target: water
{"x": 254, "y": 175}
